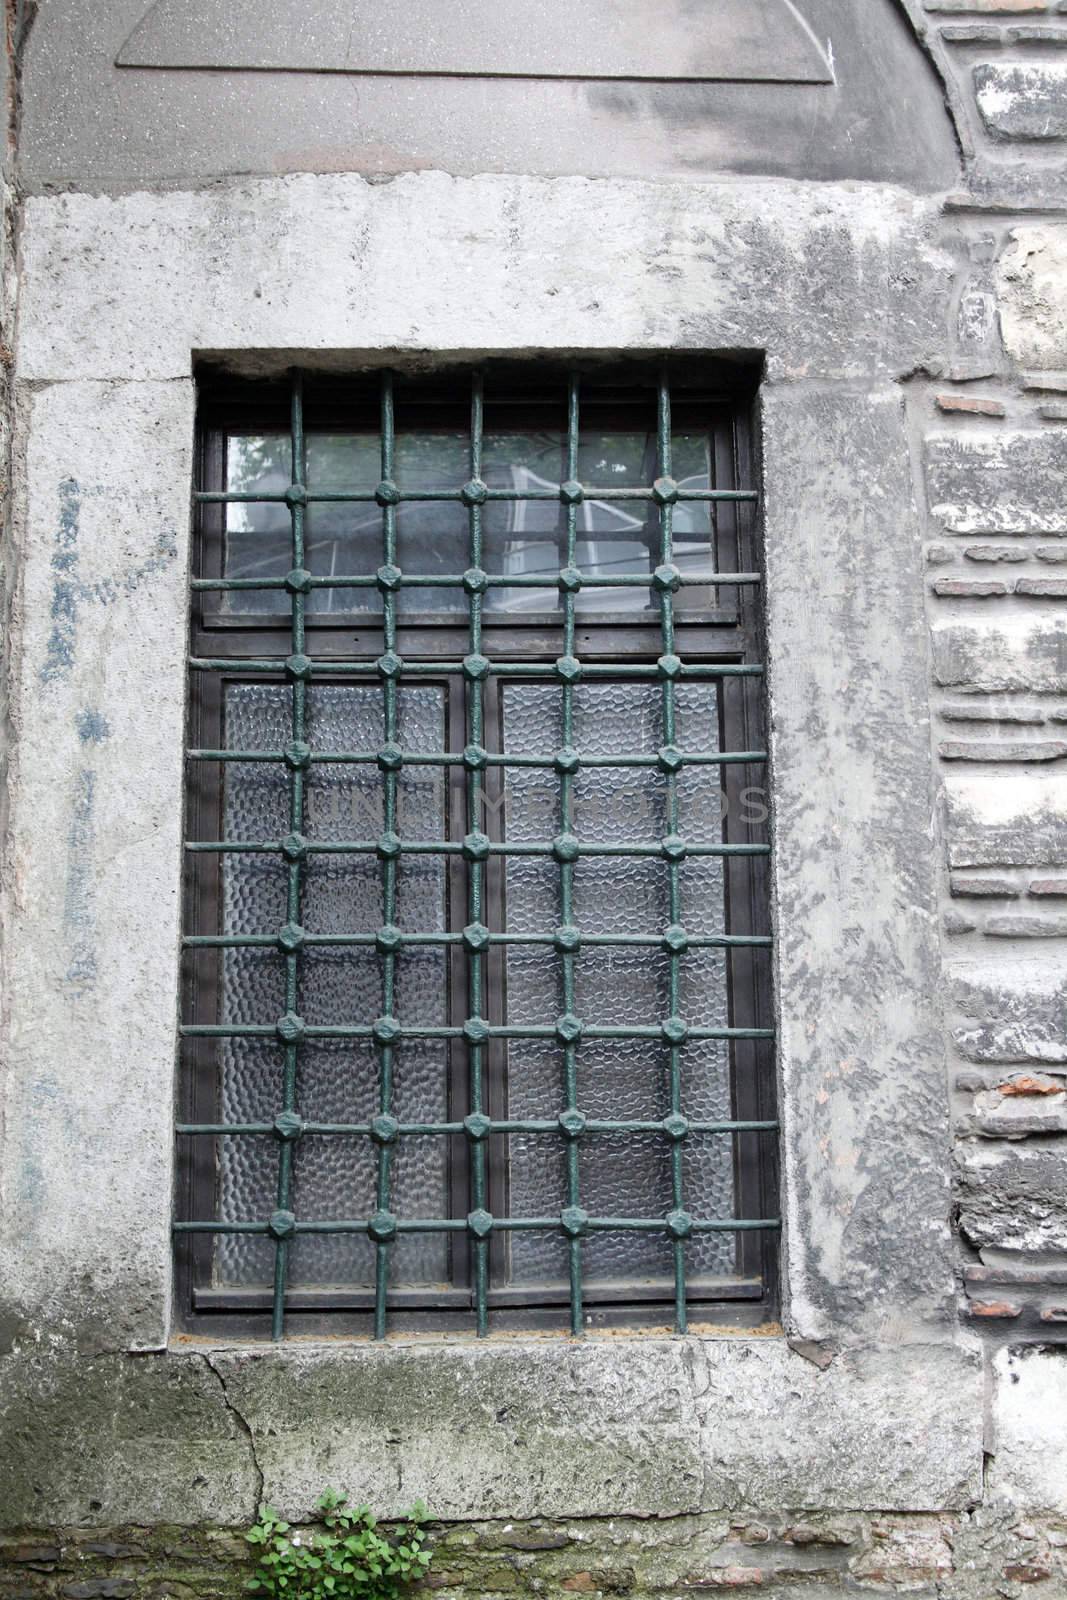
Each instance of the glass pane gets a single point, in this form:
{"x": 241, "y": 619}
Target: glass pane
{"x": 621, "y": 1174}
{"x": 523, "y": 538}
{"x": 334, "y": 1175}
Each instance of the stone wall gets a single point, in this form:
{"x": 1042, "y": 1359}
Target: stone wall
{"x": 904, "y": 1428}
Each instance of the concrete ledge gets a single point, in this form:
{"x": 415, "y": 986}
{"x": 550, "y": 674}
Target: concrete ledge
{"x": 608, "y": 1427}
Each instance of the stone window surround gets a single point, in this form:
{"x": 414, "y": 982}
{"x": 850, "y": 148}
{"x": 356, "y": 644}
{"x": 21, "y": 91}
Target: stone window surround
{"x": 871, "y": 1397}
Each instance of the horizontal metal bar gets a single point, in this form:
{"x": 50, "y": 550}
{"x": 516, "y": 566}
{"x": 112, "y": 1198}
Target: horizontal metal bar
{"x": 446, "y": 496}
{"x": 435, "y": 1129}
{"x": 267, "y": 1030}
{"x": 492, "y": 580}
{"x": 640, "y": 941}
{"x": 451, "y": 758}
{"x": 498, "y": 1225}
{"x": 496, "y": 669}
{"x": 448, "y": 847}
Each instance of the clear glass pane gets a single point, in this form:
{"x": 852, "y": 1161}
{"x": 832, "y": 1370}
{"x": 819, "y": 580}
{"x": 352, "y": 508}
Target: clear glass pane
{"x": 334, "y": 1176}
{"x": 621, "y": 1174}
{"x": 523, "y": 538}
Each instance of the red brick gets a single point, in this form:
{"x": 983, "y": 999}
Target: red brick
{"x": 972, "y": 404}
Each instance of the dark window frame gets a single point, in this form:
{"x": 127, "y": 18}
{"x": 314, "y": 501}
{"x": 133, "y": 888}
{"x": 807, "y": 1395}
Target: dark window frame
{"x": 720, "y": 399}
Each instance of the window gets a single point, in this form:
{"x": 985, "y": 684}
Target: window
{"x": 476, "y": 976}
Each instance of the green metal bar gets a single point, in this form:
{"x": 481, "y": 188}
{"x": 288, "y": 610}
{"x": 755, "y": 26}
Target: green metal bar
{"x": 591, "y": 1126}
{"x": 498, "y": 580}
{"x": 476, "y": 1032}
{"x": 476, "y": 868}
{"x": 443, "y": 758}
{"x": 493, "y": 1225}
{"x": 370, "y": 496}
{"x": 390, "y": 863}
{"x": 566, "y": 867}
{"x": 497, "y": 669}
{"x": 646, "y": 941}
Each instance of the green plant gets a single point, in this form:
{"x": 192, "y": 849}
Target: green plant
{"x": 345, "y": 1558}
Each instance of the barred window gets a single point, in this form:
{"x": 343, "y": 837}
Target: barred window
{"x": 476, "y": 987}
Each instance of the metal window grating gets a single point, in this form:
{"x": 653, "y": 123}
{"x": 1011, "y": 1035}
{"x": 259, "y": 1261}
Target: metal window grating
{"x": 476, "y": 1033}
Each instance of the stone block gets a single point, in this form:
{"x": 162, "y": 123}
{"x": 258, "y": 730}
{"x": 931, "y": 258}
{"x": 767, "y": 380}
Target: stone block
{"x": 1012, "y": 1197}
{"x": 1022, "y": 102}
{"x": 996, "y": 821}
{"x": 997, "y": 483}
{"x": 1028, "y": 1455}
{"x": 1032, "y": 294}
{"x": 988, "y": 653}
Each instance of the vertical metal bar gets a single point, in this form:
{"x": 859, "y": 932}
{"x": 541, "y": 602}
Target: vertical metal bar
{"x": 664, "y": 464}
{"x": 474, "y": 497}
{"x": 390, "y": 721}
{"x": 297, "y": 511}
{"x": 566, "y": 871}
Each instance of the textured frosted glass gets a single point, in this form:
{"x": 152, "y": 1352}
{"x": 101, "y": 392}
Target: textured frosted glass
{"x": 521, "y": 537}
{"x": 621, "y": 1174}
{"x": 333, "y": 1176}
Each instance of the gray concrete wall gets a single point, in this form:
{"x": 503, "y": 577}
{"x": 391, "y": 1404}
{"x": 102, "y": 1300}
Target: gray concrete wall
{"x": 909, "y": 294}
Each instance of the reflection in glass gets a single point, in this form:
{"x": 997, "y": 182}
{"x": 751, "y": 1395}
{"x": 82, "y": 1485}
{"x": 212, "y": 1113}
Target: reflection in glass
{"x": 523, "y": 539}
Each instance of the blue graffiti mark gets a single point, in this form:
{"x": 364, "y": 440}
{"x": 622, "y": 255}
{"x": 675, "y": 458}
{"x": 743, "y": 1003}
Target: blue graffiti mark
{"x": 92, "y": 726}
{"x": 68, "y": 590}
{"x": 78, "y": 911}
{"x": 60, "y": 653}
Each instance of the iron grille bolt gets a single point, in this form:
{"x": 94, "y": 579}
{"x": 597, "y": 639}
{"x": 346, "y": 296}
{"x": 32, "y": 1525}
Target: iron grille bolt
{"x": 478, "y": 1126}
{"x": 675, "y": 1126}
{"x": 669, "y": 666}
{"x": 569, "y": 669}
{"x": 568, "y": 1028}
{"x": 667, "y": 579}
{"x": 572, "y": 1122}
{"x": 476, "y": 667}
{"x": 290, "y": 1028}
{"x": 673, "y": 847}
{"x": 296, "y": 495}
{"x": 385, "y": 1030}
{"x": 565, "y": 848}
{"x": 382, "y": 1227}
{"x": 388, "y": 940}
{"x": 387, "y": 493}
{"x": 475, "y": 581}
{"x": 476, "y": 1030}
{"x": 291, "y": 938}
{"x": 571, "y": 492}
{"x": 282, "y": 1225}
{"x": 676, "y": 940}
{"x": 567, "y": 939}
{"x": 475, "y": 759}
{"x": 299, "y": 668}
{"x": 675, "y": 1031}
{"x": 298, "y": 581}
{"x": 384, "y": 1130}
{"x": 679, "y": 1224}
{"x": 574, "y": 1222}
{"x": 480, "y": 1224}
{"x": 665, "y": 491}
{"x": 297, "y": 755}
{"x": 388, "y": 847}
{"x": 669, "y": 759}
{"x": 389, "y": 665}
{"x": 476, "y": 938}
{"x": 295, "y": 847}
{"x": 390, "y": 758}
{"x": 474, "y": 493}
{"x": 389, "y": 578}
{"x": 476, "y": 847}
{"x": 570, "y": 580}
{"x": 566, "y": 761}
{"x": 288, "y": 1126}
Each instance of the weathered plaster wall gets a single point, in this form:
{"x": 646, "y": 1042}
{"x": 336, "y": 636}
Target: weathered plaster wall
{"x": 912, "y": 1413}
